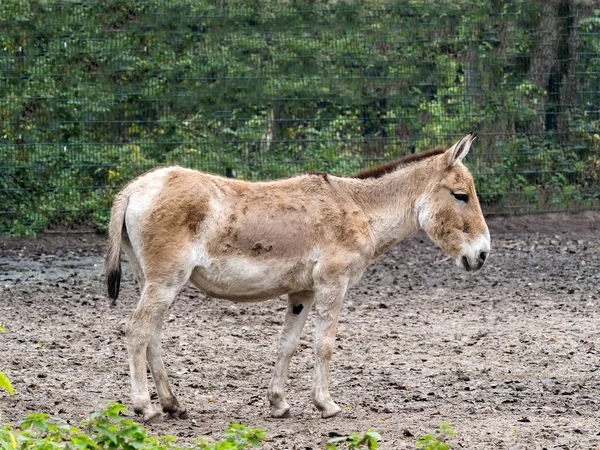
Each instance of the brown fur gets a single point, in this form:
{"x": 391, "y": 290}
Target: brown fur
{"x": 180, "y": 210}
{"x": 290, "y": 219}
{"x": 384, "y": 169}
{"x": 320, "y": 174}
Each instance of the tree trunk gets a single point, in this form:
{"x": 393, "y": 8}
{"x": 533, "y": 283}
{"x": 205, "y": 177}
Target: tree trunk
{"x": 572, "y": 15}
{"x": 544, "y": 58}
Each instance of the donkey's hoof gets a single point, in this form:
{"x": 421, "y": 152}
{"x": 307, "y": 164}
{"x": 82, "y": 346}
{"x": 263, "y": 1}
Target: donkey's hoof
{"x": 178, "y": 413}
{"x": 332, "y": 411}
{"x": 152, "y": 416}
{"x": 281, "y": 413}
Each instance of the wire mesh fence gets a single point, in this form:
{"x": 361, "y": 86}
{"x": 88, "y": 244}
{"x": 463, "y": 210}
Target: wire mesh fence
{"x": 92, "y": 93}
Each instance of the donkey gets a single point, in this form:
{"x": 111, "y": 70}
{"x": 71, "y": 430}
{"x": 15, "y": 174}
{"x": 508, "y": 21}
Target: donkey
{"x": 310, "y": 237}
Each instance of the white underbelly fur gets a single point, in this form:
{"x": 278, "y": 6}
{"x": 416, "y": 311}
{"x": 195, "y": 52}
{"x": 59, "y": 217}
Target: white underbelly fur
{"x": 246, "y": 279}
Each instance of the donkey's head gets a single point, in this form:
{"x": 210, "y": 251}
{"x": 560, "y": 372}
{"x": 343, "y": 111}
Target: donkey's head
{"x": 449, "y": 210}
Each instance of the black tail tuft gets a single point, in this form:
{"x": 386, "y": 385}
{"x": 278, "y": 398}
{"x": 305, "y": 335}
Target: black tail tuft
{"x": 113, "y": 283}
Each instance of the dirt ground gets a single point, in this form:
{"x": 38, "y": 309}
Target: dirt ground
{"x": 508, "y": 356}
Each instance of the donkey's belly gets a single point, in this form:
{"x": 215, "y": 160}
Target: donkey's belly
{"x": 242, "y": 279}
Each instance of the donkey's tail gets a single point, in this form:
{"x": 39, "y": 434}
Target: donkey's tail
{"x": 112, "y": 265}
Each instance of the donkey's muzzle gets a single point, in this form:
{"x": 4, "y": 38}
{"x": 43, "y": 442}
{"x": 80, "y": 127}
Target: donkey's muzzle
{"x": 474, "y": 253}
{"x": 472, "y": 266}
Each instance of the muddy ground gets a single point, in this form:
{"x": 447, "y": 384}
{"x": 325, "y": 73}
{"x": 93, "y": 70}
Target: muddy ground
{"x": 508, "y": 356}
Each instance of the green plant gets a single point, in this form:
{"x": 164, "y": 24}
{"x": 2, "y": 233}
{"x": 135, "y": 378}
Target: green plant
{"x": 369, "y": 440}
{"x": 438, "y": 441}
{"x": 4, "y": 381}
{"x": 110, "y": 430}
{"x": 237, "y": 437}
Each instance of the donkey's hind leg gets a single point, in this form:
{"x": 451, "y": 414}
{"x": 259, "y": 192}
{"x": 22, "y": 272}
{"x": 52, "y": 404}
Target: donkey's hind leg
{"x": 167, "y": 398}
{"x": 156, "y": 299}
{"x": 298, "y": 307}
{"x": 136, "y": 267}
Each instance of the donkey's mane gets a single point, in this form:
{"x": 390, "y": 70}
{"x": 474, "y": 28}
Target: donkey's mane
{"x": 383, "y": 169}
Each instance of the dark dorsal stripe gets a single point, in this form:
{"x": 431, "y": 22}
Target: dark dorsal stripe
{"x": 379, "y": 171}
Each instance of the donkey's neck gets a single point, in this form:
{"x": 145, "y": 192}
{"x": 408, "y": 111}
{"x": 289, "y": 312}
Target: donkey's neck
{"x": 391, "y": 203}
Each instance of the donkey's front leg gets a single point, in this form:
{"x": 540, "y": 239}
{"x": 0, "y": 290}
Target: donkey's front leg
{"x": 298, "y": 307}
{"x": 328, "y": 303}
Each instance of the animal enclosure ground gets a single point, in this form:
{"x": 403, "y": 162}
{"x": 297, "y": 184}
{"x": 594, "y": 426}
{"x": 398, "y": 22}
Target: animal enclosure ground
{"x": 509, "y": 356}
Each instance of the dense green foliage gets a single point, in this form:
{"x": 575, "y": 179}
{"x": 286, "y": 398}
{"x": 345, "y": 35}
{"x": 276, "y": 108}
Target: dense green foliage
{"x": 93, "y": 93}
{"x": 109, "y": 430}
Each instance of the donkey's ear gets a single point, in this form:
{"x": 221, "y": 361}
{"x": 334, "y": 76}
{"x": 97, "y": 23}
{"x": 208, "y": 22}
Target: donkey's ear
{"x": 459, "y": 150}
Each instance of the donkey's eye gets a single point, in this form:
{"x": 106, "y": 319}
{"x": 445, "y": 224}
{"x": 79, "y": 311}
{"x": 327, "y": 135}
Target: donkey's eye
{"x": 461, "y": 197}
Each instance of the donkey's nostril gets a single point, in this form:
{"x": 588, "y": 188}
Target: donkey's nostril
{"x": 465, "y": 262}
{"x": 483, "y": 256}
